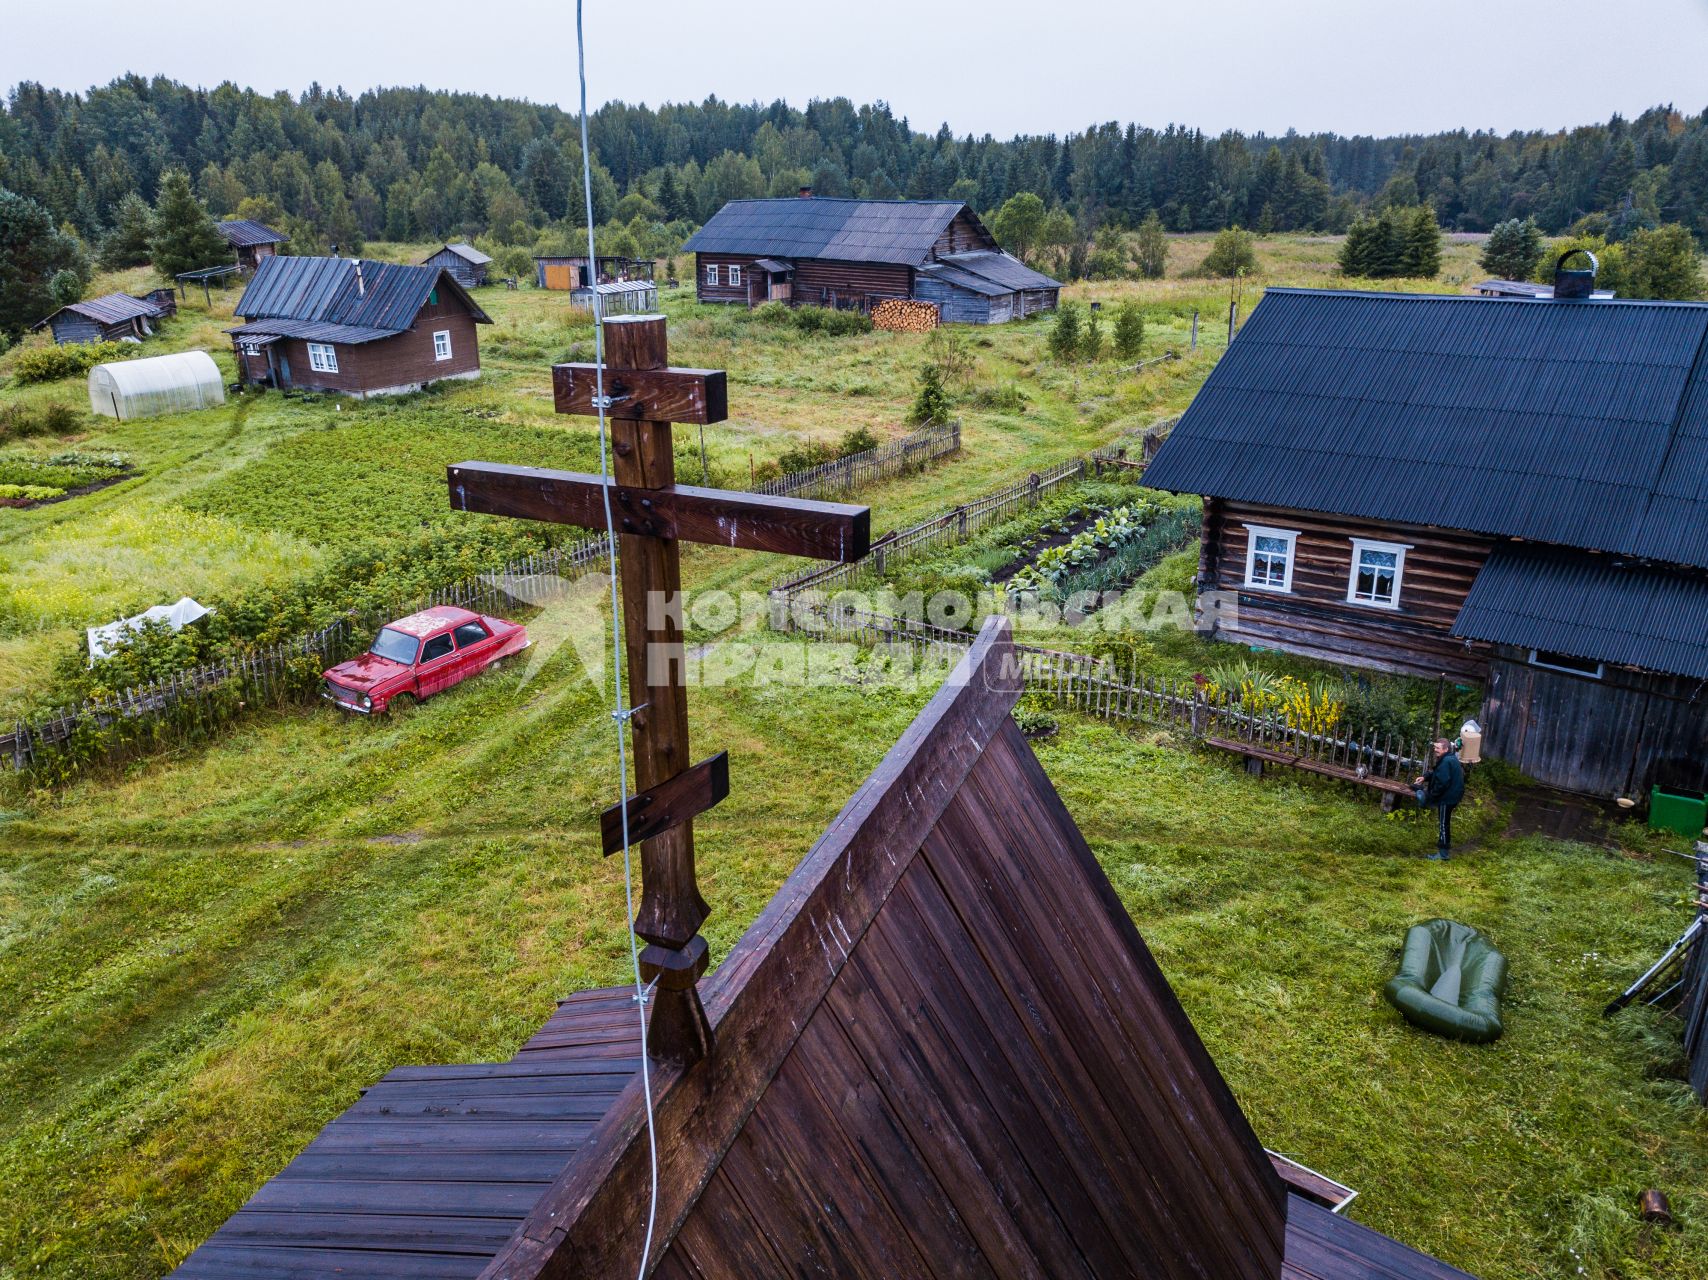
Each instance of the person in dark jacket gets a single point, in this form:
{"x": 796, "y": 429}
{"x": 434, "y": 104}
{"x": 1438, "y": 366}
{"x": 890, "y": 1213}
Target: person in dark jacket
{"x": 1441, "y": 789}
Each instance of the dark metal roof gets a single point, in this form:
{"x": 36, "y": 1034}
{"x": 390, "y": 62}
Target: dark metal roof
{"x": 1583, "y": 423}
{"x": 892, "y": 231}
{"x": 772, "y": 264}
{"x": 111, "y": 308}
{"x": 1590, "y": 606}
{"x": 386, "y": 298}
{"x": 1001, "y": 268}
{"x": 240, "y": 233}
{"x": 310, "y": 331}
{"x": 467, "y": 252}
{"x": 964, "y": 280}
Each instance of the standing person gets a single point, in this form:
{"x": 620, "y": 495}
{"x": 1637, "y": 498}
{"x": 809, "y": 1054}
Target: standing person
{"x": 1441, "y": 789}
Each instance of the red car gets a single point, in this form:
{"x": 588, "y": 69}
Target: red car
{"x": 419, "y": 655}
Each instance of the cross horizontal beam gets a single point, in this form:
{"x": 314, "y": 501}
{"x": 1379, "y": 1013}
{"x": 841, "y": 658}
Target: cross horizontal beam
{"x": 671, "y": 803}
{"x": 659, "y": 395}
{"x": 752, "y": 521}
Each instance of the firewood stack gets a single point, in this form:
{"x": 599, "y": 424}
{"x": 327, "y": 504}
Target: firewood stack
{"x": 905, "y": 315}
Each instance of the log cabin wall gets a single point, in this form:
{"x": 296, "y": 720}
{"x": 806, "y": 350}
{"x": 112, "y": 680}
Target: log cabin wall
{"x": 1614, "y": 736}
{"x": 1316, "y": 620}
{"x": 819, "y": 282}
{"x": 723, "y": 290}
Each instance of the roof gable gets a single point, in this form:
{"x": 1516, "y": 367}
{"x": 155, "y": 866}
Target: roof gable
{"x": 892, "y": 231}
{"x": 1578, "y": 423}
{"x": 467, "y": 252}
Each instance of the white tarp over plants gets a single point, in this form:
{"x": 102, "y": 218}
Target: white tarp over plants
{"x": 127, "y": 389}
{"x": 103, "y": 640}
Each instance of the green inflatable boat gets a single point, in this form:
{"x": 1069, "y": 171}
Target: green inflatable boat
{"x": 1450, "y": 982}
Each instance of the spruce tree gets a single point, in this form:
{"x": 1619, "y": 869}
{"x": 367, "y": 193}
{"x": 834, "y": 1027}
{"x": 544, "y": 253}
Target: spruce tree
{"x": 1091, "y": 340}
{"x": 931, "y": 405}
{"x": 185, "y": 238}
{"x": 126, "y": 245}
{"x": 1129, "y": 330}
{"x": 1153, "y": 247}
{"x": 1065, "y": 337}
{"x": 1513, "y": 249}
{"x": 32, "y": 253}
{"x": 1422, "y": 236}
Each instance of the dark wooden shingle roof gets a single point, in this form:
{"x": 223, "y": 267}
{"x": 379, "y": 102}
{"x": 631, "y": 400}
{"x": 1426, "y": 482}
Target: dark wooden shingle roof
{"x": 109, "y": 308}
{"x": 1582, "y": 423}
{"x": 892, "y": 231}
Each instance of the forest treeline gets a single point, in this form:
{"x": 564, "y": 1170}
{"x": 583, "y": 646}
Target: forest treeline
{"x": 403, "y": 164}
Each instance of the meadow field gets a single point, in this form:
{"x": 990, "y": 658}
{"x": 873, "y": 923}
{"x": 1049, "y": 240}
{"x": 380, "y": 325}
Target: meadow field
{"x": 206, "y": 952}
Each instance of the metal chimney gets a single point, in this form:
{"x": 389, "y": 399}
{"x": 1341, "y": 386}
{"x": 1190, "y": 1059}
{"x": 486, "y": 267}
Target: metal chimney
{"x": 1576, "y": 283}
{"x": 361, "y": 292}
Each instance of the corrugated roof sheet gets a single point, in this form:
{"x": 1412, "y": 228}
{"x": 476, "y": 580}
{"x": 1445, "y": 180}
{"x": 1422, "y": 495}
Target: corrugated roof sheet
{"x": 1590, "y": 606}
{"x": 1578, "y": 423}
{"x": 310, "y": 331}
{"x": 893, "y": 231}
{"x": 1001, "y": 268}
{"x": 110, "y": 308}
{"x": 243, "y": 232}
{"x": 964, "y": 280}
{"x": 325, "y": 291}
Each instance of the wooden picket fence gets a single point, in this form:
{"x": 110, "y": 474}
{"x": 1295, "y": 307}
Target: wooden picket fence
{"x": 951, "y": 526}
{"x": 857, "y": 470}
{"x": 1096, "y": 687}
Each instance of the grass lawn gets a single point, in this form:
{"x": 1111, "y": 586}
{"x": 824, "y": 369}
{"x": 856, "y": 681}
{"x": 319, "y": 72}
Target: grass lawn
{"x": 205, "y": 955}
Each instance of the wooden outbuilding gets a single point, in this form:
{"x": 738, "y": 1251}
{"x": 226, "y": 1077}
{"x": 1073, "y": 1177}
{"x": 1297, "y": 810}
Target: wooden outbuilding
{"x": 355, "y": 326}
{"x": 571, "y": 272}
{"x": 467, "y": 263}
{"x": 112, "y": 317}
{"x": 854, "y": 253}
{"x": 251, "y": 242}
{"x": 1500, "y": 490}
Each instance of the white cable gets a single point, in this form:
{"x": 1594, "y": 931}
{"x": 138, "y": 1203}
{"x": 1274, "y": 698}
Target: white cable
{"x": 621, "y": 715}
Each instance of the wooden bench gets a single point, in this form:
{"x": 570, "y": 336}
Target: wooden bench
{"x": 1392, "y": 789}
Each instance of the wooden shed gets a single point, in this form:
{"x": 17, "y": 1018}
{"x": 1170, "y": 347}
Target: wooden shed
{"x": 571, "y": 272}
{"x": 109, "y": 318}
{"x": 942, "y": 1049}
{"x": 1506, "y": 490}
{"x": 854, "y": 253}
{"x": 465, "y": 262}
{"x": 252, "y": 242}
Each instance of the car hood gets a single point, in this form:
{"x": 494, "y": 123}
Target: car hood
{"x": 366, "y": 671}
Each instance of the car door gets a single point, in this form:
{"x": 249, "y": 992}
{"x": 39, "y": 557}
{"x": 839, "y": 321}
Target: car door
{"x": 474, "y": 648}
{"x": 435, "y": 669}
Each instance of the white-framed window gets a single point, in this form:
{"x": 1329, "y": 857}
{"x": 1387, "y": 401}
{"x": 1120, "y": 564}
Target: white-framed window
{"x": 1565, "y": 662}
{"x": 1377, "y": 568}
{"x": 734, "y": 276}
{"x": 322, "y": 357}
{"x": 711, "y": 273}
{"x": 1269, "y": 557}
{"x": 250, "y": 348}
{"x": 442, "y": 345}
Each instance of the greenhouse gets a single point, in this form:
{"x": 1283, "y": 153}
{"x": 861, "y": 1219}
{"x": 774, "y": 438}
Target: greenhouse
{"x": 126, "y": 389}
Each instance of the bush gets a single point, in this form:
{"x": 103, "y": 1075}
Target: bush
{"x": 859, "y": 440}
{"x": 1234, "y": 252}
{"x": 22, "y": 421}
{"x": 1091, "y": 341}
{"x": 825, "y": 320}
{"x": 50, "y": 364}
{"x": 1663, "y": 263}
{"x": 66, "y": 287}
{"x": 1007, "y": 398}
{"x": 931, "y": 405}
{"x": 1129, "y": 330}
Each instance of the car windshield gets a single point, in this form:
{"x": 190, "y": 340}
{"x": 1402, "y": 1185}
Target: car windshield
{"x": 396, "y": 645}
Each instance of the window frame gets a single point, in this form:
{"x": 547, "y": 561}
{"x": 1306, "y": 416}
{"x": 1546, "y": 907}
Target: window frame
{"x": 457, "y": 634}
{"x": 712, "y": 274}
{"x": 734, "y": 276}
{"x": 1290, "y": 536}
{"x": 1539, "y": 659}
{"x": 323, "y": 357}
{"x": 446, "y": 335}
{"x": 423, "y": 660}
{"x": 1359, "y": 547}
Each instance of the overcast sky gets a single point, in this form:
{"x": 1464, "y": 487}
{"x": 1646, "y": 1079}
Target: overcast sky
{"x": 1352, "y": 66}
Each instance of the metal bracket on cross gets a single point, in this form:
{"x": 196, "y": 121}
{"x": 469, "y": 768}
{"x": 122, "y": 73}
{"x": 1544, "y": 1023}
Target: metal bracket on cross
{"x": 643, "y": 396}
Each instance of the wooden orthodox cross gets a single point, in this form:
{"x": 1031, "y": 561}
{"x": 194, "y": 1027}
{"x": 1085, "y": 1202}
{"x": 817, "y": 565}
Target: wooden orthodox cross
{"x": 643, "y": 397}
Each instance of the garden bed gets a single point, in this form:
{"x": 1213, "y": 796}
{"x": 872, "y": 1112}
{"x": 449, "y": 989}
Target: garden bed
{"x": 35, "y": 482}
